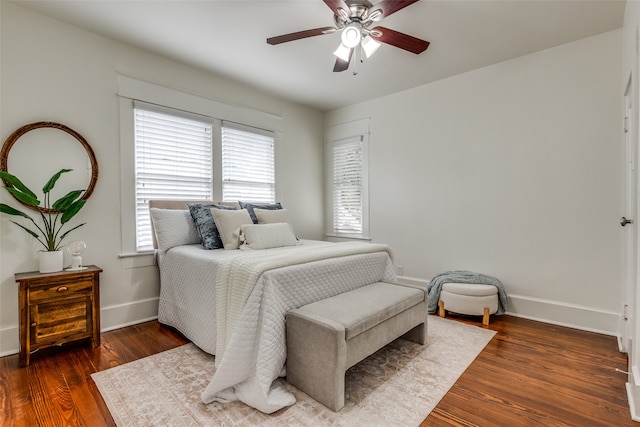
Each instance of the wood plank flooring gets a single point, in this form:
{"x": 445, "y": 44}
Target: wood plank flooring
{"x": 530, "y": 374}
{"x": 537, "y": 374}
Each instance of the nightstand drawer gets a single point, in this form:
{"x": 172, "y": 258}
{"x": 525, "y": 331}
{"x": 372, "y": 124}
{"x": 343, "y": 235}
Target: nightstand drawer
{"x": 61, "y": 288}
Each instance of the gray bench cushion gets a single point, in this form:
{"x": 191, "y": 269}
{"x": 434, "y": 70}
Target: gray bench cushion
{"x": 361, "y": 309}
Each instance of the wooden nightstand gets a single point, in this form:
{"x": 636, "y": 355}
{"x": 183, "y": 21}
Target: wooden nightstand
{"x": 56, "y": 308}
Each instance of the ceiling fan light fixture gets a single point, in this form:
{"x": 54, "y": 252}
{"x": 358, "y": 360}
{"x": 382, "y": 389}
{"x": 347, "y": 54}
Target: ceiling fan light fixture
{"x": 343, "y": 52}
{"x": 369, "y": 46}
{"x": 351, "y": 36}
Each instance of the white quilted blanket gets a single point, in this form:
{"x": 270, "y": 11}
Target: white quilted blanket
{"x": 188, "y": 292}
{"x": 252, "y": 298}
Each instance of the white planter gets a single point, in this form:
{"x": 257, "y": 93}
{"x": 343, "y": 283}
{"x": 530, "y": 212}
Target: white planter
{"x": 51, "y": 261}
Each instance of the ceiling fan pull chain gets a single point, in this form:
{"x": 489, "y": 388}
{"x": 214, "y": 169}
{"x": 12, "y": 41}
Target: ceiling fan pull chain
{"x": 358, "y": 59}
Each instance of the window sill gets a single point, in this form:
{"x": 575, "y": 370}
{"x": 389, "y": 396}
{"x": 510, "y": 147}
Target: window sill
{"x": 137, "y": 259}
{"x": 347, "y": 237}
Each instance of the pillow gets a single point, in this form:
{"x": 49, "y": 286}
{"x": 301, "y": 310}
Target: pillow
{"x": 270, "y": 216}
{"x": 173, "y": 227}
{"x": 206, "y": 226}
{"x": 228, "y": 223}
{"x": 265, "y": 236}
{"x": 251, "y": 206}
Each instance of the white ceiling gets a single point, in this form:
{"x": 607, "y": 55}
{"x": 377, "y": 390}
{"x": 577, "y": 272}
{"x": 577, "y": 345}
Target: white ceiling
{"x": 228, "y": 38}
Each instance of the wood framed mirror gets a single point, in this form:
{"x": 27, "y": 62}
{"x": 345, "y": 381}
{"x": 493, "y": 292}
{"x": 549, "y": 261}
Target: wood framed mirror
{"x": 43, "y": 151}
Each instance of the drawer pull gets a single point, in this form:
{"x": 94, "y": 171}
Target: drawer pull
{"x": 33, "y": 324}
{"x": 62, "y": 289}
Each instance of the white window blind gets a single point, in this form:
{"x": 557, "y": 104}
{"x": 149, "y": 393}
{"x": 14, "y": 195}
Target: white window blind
{"x": 172, "y": 161}
{"x": 248, "y": 164}
{"x": 347, "y": 176}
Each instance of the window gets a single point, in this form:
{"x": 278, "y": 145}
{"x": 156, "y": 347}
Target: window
{"x": 248, "y": 169}
{"x": 208, "y": 115}
{"x": 348, "y": 185}
{"x": 347, "y": 179}
{"x": 172, "y": 161}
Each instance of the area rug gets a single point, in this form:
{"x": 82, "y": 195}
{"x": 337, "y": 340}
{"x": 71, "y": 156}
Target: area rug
{"x": 397, "y": 386}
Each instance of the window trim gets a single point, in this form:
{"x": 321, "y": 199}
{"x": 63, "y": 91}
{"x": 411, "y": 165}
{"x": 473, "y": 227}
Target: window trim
{"x": 335, "y": 134}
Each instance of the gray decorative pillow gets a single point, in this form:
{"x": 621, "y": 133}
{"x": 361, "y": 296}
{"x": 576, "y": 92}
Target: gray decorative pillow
{"x": 251, "y": 206}
{"x": 206, "y": 226}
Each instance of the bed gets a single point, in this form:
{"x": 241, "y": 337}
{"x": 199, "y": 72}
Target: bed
{"x": 232, "y": 303}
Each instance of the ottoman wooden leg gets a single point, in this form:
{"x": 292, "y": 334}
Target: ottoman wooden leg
{"x": 442, "y": 312}
{"x": 485, "y": 317}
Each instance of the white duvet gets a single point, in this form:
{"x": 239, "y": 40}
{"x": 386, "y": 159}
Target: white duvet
{"x": 253, "y": 297}
{"x": 188, "y": 292}
{"x": 250, "y": 325}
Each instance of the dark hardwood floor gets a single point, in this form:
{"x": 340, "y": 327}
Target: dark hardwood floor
{"x": 537, "y": 374}
{"x": 530, "y": 374}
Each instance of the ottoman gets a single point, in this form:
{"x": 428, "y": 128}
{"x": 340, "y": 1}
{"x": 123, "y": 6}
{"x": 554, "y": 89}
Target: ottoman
{"x": 469, "y": 298}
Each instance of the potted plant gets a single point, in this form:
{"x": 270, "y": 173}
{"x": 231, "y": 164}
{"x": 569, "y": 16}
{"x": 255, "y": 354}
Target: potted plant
{"x": 53, "y": 216}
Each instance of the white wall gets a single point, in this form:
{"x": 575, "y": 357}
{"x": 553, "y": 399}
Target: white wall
{"x": 513, "y": 170}
{"x": 55, "y": 72}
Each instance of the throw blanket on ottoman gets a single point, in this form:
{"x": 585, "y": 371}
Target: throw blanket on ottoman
{"x": 435, "y": 286}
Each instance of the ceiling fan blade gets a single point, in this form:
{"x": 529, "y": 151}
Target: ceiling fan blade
{"x": 300, "y": 35}
{"x": 391, "y": 6}
{"x": 341, "y": 64}
{"x": 401, "y": 40}
{"x": 338, "y": 4}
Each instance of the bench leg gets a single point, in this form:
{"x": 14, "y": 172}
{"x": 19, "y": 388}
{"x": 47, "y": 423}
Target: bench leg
{"x": 316, "y": 359}
{"x": 418, "y": 334}
{"x": 485, "y": 317}
{"x": 441, "y": 312}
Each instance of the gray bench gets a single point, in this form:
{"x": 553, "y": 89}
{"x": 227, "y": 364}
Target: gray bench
{"x": 327, "y": 337}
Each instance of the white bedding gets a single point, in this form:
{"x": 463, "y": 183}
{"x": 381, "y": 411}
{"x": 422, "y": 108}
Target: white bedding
{"x": 187, "y": 292}
{"x": 255, "y": 350}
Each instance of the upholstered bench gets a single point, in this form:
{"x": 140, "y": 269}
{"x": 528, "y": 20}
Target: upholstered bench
{"x": 469, "y": 298}
{"x": 327, "y": 337}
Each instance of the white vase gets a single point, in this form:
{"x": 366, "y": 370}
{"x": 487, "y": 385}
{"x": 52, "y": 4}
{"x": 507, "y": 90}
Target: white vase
{"x": 51, "y": 261}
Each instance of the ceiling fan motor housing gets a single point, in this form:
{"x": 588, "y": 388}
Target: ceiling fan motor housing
{"x": 358, "y": 14}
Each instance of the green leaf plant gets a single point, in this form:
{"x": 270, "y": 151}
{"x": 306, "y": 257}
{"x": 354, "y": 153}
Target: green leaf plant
{"x": 53, "y": 216}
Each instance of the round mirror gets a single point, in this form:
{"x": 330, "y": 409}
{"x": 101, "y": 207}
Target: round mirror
{"x": 43, "y": 151}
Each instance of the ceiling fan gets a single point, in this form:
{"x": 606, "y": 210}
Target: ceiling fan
{"x": 355, "y": 18}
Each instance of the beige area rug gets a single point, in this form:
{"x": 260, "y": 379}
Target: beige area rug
{"x": 397, "y": 386}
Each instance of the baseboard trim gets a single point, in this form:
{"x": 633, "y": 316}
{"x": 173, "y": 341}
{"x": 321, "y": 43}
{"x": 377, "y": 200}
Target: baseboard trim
{"x": 632, "y": 397}
{"x": 565, "y": 314}
{"x": 554, "y": 312}
{"x": 132, "y": 313}
{"x": 9, "y": 341}
{"x": 112, "y": 317}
